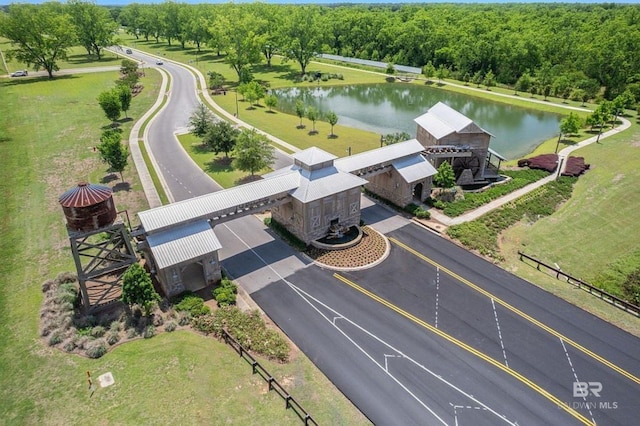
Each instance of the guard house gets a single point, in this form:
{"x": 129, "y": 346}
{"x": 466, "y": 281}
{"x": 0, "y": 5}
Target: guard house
{"x": 325, "y": 197}
{"x": 397, "y": 172}
{"x": 448, "y": 135}
{"x": 185, "y": 257}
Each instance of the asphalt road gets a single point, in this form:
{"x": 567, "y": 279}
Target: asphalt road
{"x": 432, "y": 335}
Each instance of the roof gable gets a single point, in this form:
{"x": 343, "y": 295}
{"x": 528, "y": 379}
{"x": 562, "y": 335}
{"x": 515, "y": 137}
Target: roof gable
{"x": 442, "y": 120}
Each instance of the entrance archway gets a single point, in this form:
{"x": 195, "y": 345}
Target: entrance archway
{"x": 417, "y": 192}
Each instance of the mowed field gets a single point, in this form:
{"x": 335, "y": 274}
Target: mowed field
{"x": 595, "y": 228}
{"x": 49, "y": 129}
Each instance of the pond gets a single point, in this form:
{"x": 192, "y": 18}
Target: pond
{"x": 391, "y": 107}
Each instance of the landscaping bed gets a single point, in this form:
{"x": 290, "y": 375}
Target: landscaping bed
{"x": 371, "y": 249}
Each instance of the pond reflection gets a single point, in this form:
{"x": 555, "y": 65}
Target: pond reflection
{"x": 391, "y": 107}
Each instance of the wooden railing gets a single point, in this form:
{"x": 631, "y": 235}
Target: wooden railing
{"x": 290, "y": 402}
{"x": 606, "y": 296}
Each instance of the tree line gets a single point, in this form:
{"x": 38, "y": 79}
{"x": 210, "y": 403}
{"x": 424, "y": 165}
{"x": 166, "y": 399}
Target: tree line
{"x": 559, "y": 48}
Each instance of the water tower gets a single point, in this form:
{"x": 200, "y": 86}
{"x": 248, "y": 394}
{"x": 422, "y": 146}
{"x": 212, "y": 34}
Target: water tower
{"x": 100, "y": 244}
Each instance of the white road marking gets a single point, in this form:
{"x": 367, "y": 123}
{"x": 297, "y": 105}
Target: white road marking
{"x": 437, "y": 293}
{"x": 495, "y": 314}
{"x": 575, "y": 376}
{"x": 307, "y": 297}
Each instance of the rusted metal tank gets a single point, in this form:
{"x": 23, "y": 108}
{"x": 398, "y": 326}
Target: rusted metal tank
{"x": 88, "y": 207}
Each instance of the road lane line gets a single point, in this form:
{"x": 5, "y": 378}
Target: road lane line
{"x": 495, "y": 314}
{"x": 468, "y": 348}
{"x": 575, "y": 376}
{"x": 306, "y": 296}
{"x": 437, "y": 293}
{"x": 518, "y": 312}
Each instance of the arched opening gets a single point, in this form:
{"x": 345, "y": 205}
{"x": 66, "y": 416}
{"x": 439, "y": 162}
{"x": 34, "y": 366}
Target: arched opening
{"x": 417, "y": 192}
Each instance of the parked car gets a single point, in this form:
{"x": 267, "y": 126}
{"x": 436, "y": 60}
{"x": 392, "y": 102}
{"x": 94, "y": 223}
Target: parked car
{"x": 20, "y": 73}
{"x": 129, "y": 52}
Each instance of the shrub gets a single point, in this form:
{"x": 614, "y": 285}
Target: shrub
{"x": 418, "y": 211}
{"x": 192, "y": 304}
{"x": 131, "y": 333}
{"x": 115, "y": 326}
{"x": 149, "y": 332}
{"x": 113, "y": 337}
{"x": 248, "y": 329}
{"x": 66, "y": 277}
{"x": 96, "y": 348}
{"x": 66, "y": 307}
{"x": 82, "y": 342}
{"x": 69, "y": 345}
{"x": 225, "y": 293}
{"x": 48, "y": 285}
{"x": 207, "y": 324}
{"x": 184, "y": 318}
{"x": 158, "y": 320}
{"x": 98, "y": 331}
{"x": 170, "y": 326}
{"x": 56, "y": 338}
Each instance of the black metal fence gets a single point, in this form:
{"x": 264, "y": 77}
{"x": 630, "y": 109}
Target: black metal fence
{"x": 273, "y": 383}
{"x": 607, "y": 297}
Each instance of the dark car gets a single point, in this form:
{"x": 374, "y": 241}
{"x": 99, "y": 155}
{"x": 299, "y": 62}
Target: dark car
{"x": 129, "y": 52}
{"x": 20, "y": 73}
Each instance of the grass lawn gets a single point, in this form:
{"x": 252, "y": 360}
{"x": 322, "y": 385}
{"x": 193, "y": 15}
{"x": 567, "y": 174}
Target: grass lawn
{"x": 50, "y": 129}
{"x": 216, "y": 166}
{"x": 593, "y": 229}
{"x": 76, "y": 58}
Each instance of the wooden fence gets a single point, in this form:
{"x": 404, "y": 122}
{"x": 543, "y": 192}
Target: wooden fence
{"x": 607, "y": 297}
{"x": 290, "y": 402}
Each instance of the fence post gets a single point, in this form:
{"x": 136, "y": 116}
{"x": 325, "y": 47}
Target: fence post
{"x": 270, "y": 383}
{"x": 253, "y": 366}
{"x": 287, "y": 399}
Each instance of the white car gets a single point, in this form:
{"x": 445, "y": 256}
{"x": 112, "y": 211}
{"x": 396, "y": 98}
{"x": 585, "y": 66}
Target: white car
{"x": 20, "y": 73}
{"x": 159, "y": 62}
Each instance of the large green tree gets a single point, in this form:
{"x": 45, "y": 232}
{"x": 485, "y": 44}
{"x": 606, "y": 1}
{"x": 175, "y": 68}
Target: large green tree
{"x": 94, "y": 25}
{"x": 221, "y": 136}
{"x": 242, "y": 42}
{"x": 252, "y": 152}
{"x": 109, "y": 101}
{"x": 40, "y": 36}
{"x": 200, "y": 121}
{"x": 302, "y": 35}
{"x": 112, "y": 151}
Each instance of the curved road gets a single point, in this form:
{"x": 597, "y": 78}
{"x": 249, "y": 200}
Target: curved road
{"x": 432, "y": 335}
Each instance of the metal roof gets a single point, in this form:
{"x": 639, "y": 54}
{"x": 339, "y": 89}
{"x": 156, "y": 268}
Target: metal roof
{"x": 182, "y": 244}
{"x": 323, "y": 183}
{"x": 414, "y": 168}
{"x": 204, "y": 206}
{"x": 85, "y": 194}
{"x": 385, "y": 154}
{"x": 442, "y": 120}
{"x": 313, "y": 156}
{"x": 497, "y": 154}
